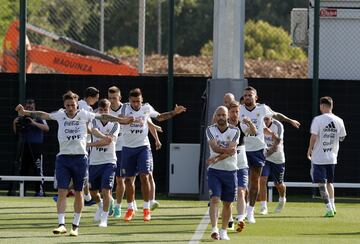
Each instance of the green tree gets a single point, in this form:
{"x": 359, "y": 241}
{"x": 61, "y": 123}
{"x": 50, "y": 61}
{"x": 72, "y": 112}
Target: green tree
{"x": 263, "y": 41}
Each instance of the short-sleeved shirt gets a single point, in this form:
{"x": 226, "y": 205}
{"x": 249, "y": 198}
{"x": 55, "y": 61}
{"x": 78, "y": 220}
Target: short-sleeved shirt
{"x": 223, "y": 139}
{"x": 105, "y": 154}
{"x": 277, "y": 157}
{"x": 120, "y": 139}
{"x": 329, "y": 128}
{"x": 136, "y": 134}
{"x": 83, "y": 105}
{"x": 72, "y": 132}
{"x": 241, "y": 152}
{"x": 256, "y": 115}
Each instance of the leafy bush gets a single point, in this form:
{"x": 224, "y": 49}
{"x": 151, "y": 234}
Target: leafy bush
{"x": 123, "y": 51}
{"x": 263, "y": 41}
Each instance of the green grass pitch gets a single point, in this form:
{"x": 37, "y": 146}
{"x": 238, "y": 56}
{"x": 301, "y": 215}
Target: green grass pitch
{"x": 31, "y": 220}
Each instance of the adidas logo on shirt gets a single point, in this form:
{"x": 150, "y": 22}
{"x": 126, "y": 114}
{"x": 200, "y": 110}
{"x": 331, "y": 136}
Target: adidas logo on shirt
{"x": 330, "y": 127}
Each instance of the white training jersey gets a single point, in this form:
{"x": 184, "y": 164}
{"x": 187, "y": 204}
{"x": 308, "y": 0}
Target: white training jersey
{"x": 277, "y": 157}
{"x": 120, "y": 139}
{"x": 83, "y": 105}
{"x": 223, "y": 139}
{"x": 136, "y": 134}
{"x": 72, "y": 133}
{"x": 256, "y": 115}
{"x": 105, "y": 154}
{"x": 329, "y": 128}
{"x": 242, "y": 162}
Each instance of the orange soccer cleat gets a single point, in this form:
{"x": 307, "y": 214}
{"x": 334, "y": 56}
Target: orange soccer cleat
{"x": 147, "y": 216}
{"x": 130, "y": 213}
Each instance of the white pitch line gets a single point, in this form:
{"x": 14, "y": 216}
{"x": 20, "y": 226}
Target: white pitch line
{"x": 200, "y": 229}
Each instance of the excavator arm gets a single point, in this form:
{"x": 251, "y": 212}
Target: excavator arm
{"x": 95, "y": 62}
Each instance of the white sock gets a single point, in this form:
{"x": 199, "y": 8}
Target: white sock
{"x": 263, "y": 204}
{"x": 61, "y": 218}
{"x": 282, "y": 199}
{"x": 146, "y": 205}
{"x": 87, "y": 197}
{"x": 131, "y": 205}
{"x": 100, "y": 204}
{"x": 76, "y": 220}
{"x": 104, "y": 215}
{"x": 152, "y": 201}
{"x": 250, "y": 209}
{"x": 215, "y": 229}
{"x": 240, "y": 217}
{"x": 329, "y": 207}
{"x": 332, "y": 201}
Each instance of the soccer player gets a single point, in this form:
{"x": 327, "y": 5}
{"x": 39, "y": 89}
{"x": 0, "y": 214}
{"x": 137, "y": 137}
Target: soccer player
{"x": 103, "y": 163}
{"x": 91, "y": 96}
{"x": 71, "y": 161}
{"x": 136, "y": 152}
{"x": 228, "y": 99}
{"x": 222, "y": 170}
{"x": 255, "y": 144}
{"x": 326, "y": 131}
{"x": 274, "y": 164}
{"x": 245, "y": 127}
{"x": 114, "y": 96}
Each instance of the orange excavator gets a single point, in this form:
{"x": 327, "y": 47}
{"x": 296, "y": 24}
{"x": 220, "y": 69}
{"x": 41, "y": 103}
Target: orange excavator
{"x": 95, "y": 62}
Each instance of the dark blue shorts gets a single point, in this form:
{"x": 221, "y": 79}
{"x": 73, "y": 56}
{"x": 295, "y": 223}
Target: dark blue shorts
{"x": 134, "y": 160}
{"x": 256, "y": 158}
{"x": 276, "y": 171}
{"x": 71, "y": 167}
{"x": 222, "y": 184}
{"x": 243, "y": 177}
{"x": 322, "y": 173}
{"x": 101, "y": 176}
{"x": 118, "y": 164}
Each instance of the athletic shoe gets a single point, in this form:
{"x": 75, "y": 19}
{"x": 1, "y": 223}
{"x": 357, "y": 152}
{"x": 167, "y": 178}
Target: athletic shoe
{"x": 97, "y": 216}
{"x": 263, "y": 211}
{"x": 103, "y": 223}
{"x": 147, "y": 216}
{"x": 59, "y": 230}
{"x": 55, "y": 198}
{"x": 117, "y": 212}
{"x": 250, "y": 218}
{"x": 224, "y": 236}
{"x": 334, "y": 210}
{"x": 329, "y": 214}
{"x": 280, "y": 207}
{"x": 89, "y": 203}
{"x": 130, "y": 213}
{"x": 39, "y": 194}
{"x": 154, "y": 205}
{"x": 74, "y": 231}
{"x": 240, "y": 226}
{"x": 215, "y": 236}
{"x": 111, "y": 207}
{"x": 231, "y": 225}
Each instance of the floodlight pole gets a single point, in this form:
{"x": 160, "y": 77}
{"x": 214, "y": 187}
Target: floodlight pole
{"x": 22, "y": 52}
{"x": 141, "y": 36}
{"x": 315, "y": 84}
{"x": 102, "y": 25}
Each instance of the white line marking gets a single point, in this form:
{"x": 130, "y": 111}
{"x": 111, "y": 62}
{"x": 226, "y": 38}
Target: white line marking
{"x": 200, "y": 229}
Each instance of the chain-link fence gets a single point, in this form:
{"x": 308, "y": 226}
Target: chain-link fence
{"x": 91, "y": 36}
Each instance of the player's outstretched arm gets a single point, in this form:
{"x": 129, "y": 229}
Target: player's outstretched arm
{"x": 121, "y": 120}
{"x": 283, "y": 118}
{"x": 33, "y": 114}
{"x": 168, "y": 115}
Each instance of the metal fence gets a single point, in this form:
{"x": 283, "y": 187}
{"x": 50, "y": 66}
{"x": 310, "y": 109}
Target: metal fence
{"x": 91, "y": 36}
